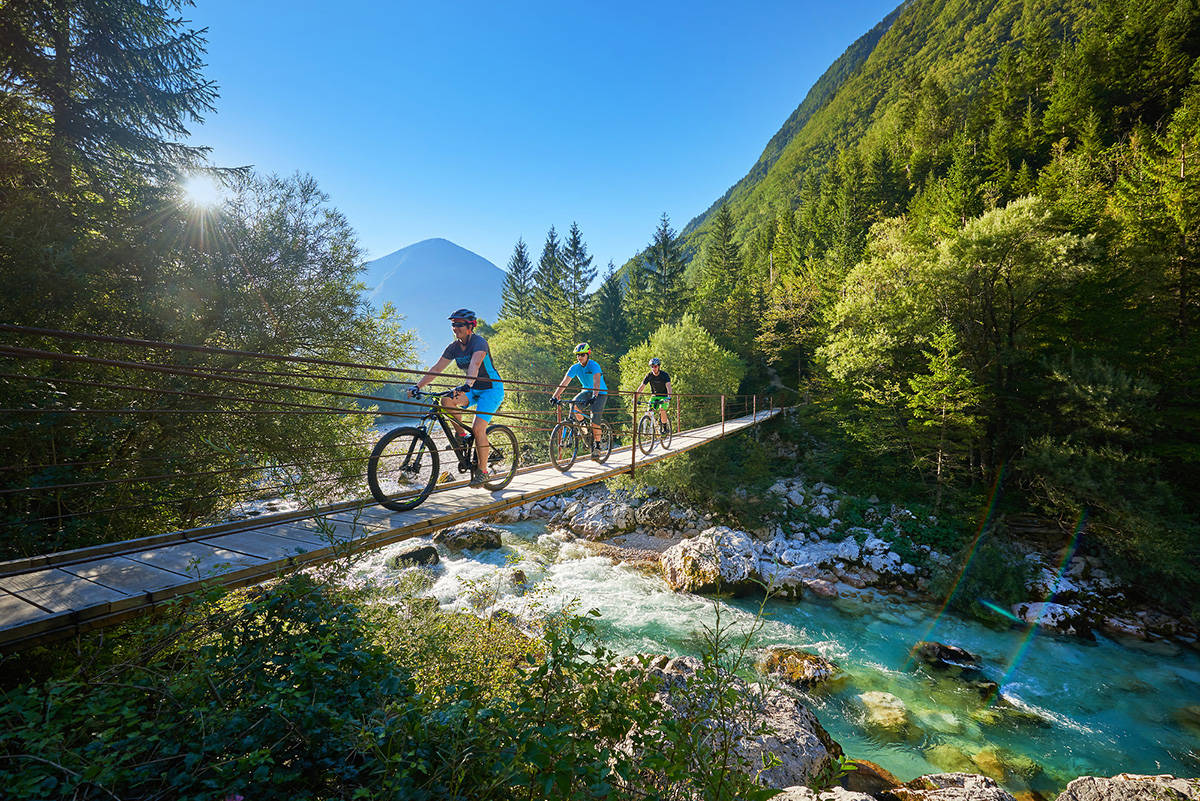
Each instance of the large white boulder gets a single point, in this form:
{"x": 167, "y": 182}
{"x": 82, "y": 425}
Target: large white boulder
{"x": 719, "y": 557}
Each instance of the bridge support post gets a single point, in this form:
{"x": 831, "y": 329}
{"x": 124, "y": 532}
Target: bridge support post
{"x": 634, "y": 447}
{"x": 722, "y": 415}
{"x": 754, "y": 407}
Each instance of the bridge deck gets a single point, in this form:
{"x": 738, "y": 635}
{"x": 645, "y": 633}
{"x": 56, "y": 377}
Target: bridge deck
{"x": 59, "y": 594}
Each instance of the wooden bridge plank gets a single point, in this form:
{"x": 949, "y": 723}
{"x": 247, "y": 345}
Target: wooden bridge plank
{"x": 80, "y": 596}
{"x": 126, "y": 575}
{"x": 14, "y": 611}
{"x": 194, "y": 559}
{"x": 262, "y": 545}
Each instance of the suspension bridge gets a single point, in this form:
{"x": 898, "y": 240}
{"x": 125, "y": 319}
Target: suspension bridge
{"x": 75, "y": 590}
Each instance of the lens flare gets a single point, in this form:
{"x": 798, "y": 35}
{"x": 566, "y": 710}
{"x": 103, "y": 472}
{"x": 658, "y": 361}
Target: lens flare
{"x": 203, "y": 191}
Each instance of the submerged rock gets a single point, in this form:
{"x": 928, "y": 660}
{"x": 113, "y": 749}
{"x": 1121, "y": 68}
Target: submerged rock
{"x": 887, "y": 715}
{"x": 473, "y": 536}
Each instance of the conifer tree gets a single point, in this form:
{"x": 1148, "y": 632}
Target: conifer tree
{"x": 102, "y": 89}
{"x": 578, "y": 276}
{"x": 517, "y": 293}
{"x": 639, "y": 300}
{"x": 721, "y": 302}
{"x": 550, "y": 289}
{"x": 664, "y": 267}
{"x": 609, "y": 326}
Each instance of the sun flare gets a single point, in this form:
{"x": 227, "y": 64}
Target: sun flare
{"x": 203, "y": 191}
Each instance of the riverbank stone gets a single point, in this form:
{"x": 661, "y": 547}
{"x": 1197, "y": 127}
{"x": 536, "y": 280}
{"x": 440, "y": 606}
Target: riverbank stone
{"x": 1131, "y": 787}
{"x": 948, "y": 787}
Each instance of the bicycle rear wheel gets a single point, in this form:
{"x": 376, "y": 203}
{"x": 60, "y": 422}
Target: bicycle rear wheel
{"x": 403, "y": 468}
{"x": 502, "y": 460}
{"x": 664, "y": 434}
{"x": 564, "y": 446}
{"x": 646, "y": 434}
{"x": 606, "y": 442}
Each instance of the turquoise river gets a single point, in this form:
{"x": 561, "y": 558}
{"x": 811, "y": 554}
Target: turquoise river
{"x": 1067, "y": 707}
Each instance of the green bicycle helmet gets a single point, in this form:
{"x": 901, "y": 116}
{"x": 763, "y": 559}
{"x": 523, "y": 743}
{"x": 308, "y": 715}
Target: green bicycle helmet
{"x": 582, "y": 347}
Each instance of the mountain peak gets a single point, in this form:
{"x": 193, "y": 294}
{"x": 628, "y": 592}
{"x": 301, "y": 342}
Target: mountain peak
{"x": 427, "y": 280}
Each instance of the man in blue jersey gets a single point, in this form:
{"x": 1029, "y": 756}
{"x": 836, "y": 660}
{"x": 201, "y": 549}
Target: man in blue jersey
{"x": 594, "y": 393}
{"x": 482, "y": 389}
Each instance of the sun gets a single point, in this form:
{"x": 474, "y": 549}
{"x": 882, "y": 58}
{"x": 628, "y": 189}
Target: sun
{"x": 202, "y": 191}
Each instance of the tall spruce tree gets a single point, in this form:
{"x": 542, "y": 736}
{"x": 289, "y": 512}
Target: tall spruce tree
{"x": 516, "y": 296}
{"x": 638, "y": 304}
{"x": 101, "y": 89}
{"x": 721, "y": 300}
{"x": 609, "y": 326}
{"x": 664, "y": 267}
{"x": 579, "y": 274}
{"x": 550, "y": 291}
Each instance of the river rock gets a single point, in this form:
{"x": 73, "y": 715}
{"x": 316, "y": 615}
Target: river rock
{"x": 948, "y": 658}
{"x": 1052, "y": 616}
{"x": 719, "y": 558}
{"x": 419, "y": 555}
{"x": 948, "y": 787}
{"x": 1132, "y": 787}
{"x": 887, "y": 714}
{"x": 797, "y": 738}
{"x": 473, "y": 536}
{"x": 599, "y": 521}
{"x": 798, "y": 668}
{"x": 654, "y": 514}
{"x": 799, "y": 793}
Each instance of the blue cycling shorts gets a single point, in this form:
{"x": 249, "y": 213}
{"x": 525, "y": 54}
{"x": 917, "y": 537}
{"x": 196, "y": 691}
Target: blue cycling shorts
{"x": 486, "y": 401}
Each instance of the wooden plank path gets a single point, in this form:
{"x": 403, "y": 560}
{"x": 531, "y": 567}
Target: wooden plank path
{"x": 61, "y": 594}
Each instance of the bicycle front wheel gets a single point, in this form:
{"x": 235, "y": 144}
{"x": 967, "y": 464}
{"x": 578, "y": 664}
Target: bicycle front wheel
{"x": 664, "y": 434}
{"x": 502, "y": 460}
{"x": 646, "y": 434}
{"x": 402, "y": 469}
{"x": 606, "y": 443}
{"x": 564, "y": 446}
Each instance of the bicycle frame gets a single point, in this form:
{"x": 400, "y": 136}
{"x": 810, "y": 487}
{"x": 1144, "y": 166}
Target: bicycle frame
{"x": 442, "y": 416}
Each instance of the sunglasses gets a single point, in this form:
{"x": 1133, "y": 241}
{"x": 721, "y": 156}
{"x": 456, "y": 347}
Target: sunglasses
{"x": 460, "y": 325}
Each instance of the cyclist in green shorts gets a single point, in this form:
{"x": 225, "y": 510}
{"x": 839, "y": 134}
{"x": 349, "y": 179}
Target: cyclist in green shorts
{"x": 660, "y": 388}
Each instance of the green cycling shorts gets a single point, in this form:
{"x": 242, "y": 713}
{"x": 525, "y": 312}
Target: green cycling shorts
{"x": 660, "y": 402}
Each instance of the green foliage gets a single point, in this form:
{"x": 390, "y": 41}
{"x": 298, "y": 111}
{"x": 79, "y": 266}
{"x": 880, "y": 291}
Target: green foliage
{"x": 697, "y": 366}
{"x": 986, "y": 568}
{"x": 517, "y": 293}
{"x": 304, "y": 691}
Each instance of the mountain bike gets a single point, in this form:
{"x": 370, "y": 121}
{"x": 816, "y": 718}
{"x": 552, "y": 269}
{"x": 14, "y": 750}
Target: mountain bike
{"x": 567, "y": 435}
{"x": 405, "y": 463}
{"x": 650, "y": 427}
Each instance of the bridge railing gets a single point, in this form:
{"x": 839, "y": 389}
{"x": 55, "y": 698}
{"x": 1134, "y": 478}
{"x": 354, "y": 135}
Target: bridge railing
{"x": 111, "y": 438}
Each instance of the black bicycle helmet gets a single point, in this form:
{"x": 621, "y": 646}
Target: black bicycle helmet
{"x": 462, "y": 314}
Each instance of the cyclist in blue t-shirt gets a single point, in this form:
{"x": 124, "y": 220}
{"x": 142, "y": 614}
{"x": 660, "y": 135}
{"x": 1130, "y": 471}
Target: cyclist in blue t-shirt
{"x": 482, "y": 389}
{"x": 594, "y": 393}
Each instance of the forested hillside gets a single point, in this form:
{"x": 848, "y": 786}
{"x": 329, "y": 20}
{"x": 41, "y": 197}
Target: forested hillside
{"x": 974, "y": 248}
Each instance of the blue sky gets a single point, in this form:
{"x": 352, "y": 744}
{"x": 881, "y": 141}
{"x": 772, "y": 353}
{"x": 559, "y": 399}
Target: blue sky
{"x": 484, "y": 122}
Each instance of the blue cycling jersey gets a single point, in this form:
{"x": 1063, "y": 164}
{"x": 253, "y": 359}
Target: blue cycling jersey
{"x": 585, "y": 372}
{"x": 461, "y": 353}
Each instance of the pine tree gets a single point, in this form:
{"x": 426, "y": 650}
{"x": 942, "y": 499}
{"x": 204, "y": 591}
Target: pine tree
{"x": 103, "y": 87}
{"x": 721, "y": 301}
{"x": 609, "y": 325}
{"x": 517, "y": 294}
{"x": 943, "y": 403}
{"x": 664, "y": 267}
{"x": 550, "y": 290}
{"x": 639, "y": 309}
{"x": 578, "y": 276}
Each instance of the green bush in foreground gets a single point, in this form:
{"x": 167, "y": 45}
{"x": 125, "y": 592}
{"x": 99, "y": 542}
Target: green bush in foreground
{"x": 304, "y": 692}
